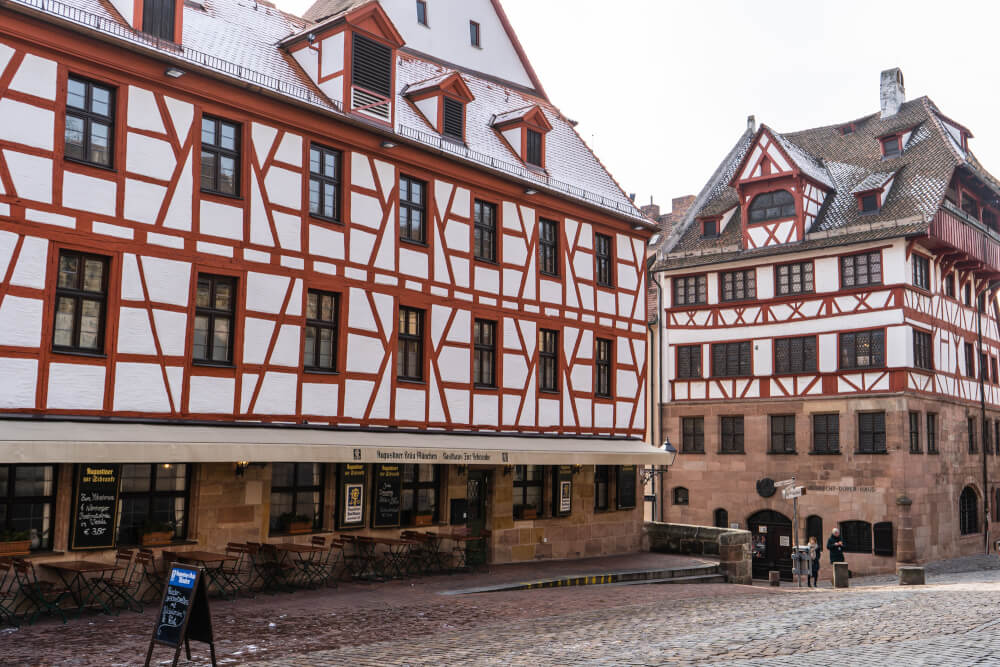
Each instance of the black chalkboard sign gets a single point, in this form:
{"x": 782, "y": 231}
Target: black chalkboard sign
{"x": 626, "y": 487}
{"x": 562, "y": 491}
{"x": 95, "y": 506}
{"x": 351, "y": 496}
{"x": 183, "y": 613}
{"x": 388, "y": 495}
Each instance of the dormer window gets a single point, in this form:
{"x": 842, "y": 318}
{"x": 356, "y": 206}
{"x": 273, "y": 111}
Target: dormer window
{"x": 891, "y": 146}
{"x": 371, "y": 78}
{"x": 524, "y": 131}
{"x": 868, "y": 203}
{"x": 422, "y": 12}
{"x": 442, "y": 101}
{"x": 847, "y": 129}
{"x": 453, "y": 122}
{"x": 158, "y": 18}
{"x": 710, "y": 228}
{"x": 772, "y": 206}
{"x": 474, "y": 34}
{"x": 533, "y": 148}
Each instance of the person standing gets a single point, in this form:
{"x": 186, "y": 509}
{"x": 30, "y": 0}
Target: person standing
{"x": 814, "y": 554}
{"x": 835, "y": 545}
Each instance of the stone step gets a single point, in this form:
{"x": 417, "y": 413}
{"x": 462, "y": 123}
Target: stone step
{"x": 695, "y": 574}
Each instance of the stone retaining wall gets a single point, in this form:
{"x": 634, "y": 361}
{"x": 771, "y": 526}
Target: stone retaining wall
{"x": 731, "y": 546}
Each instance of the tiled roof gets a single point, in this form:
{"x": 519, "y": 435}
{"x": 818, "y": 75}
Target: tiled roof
{"x": 239, "y": 39}
{"x": 850, "y": 163}
{"x": 516, "y": 114}
{"x": 327, "y": 8}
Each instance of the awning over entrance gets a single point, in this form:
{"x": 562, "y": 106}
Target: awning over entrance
{"x": 97, "y": 442}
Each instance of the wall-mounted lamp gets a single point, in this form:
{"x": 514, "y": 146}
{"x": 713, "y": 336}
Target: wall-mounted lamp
{"x": 461, "y": 470}
{"x": 241, "y": 467}
{"x": 530, "y": 191}
{"x": 174, "y": 73}
{"x": 311, "y": 37}
{"x": 388, "y": 144}
{"x": 577, "y": 469}
{"x": 507, "y": 470}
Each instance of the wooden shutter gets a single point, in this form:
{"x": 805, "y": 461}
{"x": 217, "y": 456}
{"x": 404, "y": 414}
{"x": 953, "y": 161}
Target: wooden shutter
{"x": 684, "y": 362}
{"x": 158, "y": 18}
{"x": 371, "y": 65}
{"x": 454, "y": 119}
{"x": 626, "y": 484}
{"x": 883, "y": 538}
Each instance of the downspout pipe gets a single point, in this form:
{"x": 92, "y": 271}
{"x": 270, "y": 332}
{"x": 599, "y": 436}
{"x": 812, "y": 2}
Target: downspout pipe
{"x": 980, "y": 307}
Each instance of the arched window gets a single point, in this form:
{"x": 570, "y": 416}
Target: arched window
{"x": 680, "y": 495}
{"x": 968, "y": 514}
{"x": 772, "y": 206}
{"x": 721, "y": 518}
{"x": 814, "y": 528}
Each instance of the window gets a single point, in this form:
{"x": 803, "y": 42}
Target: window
{"x": 857, "y": 536}
{"x": 528, "y": 491}
{"x": 949, "y": 285}
{"x": 322, "y": 310}
{"x": 732, "y": 435}
{"x": 795, "y": 278}
{"x": 371, "y": 68}
{"x": 720, "y": 518}
{"x": 970, "y": 428}
{"x": 81, "y": 292}
{"x": 970, "y": 360}
{"x": 410, "y": 361}
{"x": 921, "y": 272}
{"x": 814, "y": 528}
{"x": 996, "y": 437}
{"x": 603, "y": 257}
{"x": 772, "y": 206}
{"x": 680, "y": 495}
{"x": 967, "y": 294}
{"x": 863, "y": 349}
{"x": 922, "y": 350}
{"x": 689, "y": 361}
{"x": 993, "y": 368}
{"x": 731, "y": 359}
{"x": 215, "y": 310}
{"x": 970, "y": 205}
{"x": 690, "y": 290}
{"x": 871, "y": 433}
{"x": 420, "y": 494}
{"x": 548, "y": 360}
{"x": 968, "y": 511}
{"x": 484, "y": 363}
{"x": 412, "y": 212}
{"x": 996, "y": 505}
{"x": 474, "y": 35}
{"x": 882, "y": 533}
{"x": 710, "y": 228}
{"x": 739, "y": 285}
{"x": 914, "y": 432}
{"x": 984, "y": 367}
{"x": 869, "y": 202}
{"x": 602, "y": 487}
{"x": 987, "y": 444}
{"x": 220, "y": 156}
{"x": 693, "y": 435}
{"x": 296, "y": 495}
{"x": 782, "y": 434}
{"x": 27, "y": 502}
{"x": 153, "y": 498}
{"x": 484, "y": 241}
{"x": 795, "y": 355}
{"x": 861, "y": 270}
{"x": 533, "y": 147}
{"x": 454, "y": 119}
{"x": 158, "y": 18}
{"x": 90, "y": 122}
{"x": 422, "y": 12}
{"x": 548, "y": 247}
{"x": 602, "y": 368}
{"x": 932, "y": 433}
{"x": 890, "y": 146}
{"x": 324, "y": 183}
{"x": 826, "y": 434}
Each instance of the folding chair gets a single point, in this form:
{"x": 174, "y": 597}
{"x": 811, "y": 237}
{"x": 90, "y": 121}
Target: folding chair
{"x": 333, "y": 563}
{"x": 234, "y": 575}
{"x": 150, "y": 576}
{"x": 281, "y": 573}
{"x": 39, "y": 597}
{"x": 8, "y": 592}
{"x": 121, "y": 585}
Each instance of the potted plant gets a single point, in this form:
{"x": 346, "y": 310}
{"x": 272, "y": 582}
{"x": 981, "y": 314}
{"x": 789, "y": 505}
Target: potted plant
{"x": 156, "y": 533}
{"x": 295, "y": 523}
{"x": 15, "y": 542}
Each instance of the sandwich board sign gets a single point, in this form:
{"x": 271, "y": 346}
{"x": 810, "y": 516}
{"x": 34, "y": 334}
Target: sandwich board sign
{"x": 183, "y": 613}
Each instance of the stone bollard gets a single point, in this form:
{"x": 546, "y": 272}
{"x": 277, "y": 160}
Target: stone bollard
{"x": 774, "y": 578}
{"x": 911, "y": 575}
{"x": 840, "y": 574}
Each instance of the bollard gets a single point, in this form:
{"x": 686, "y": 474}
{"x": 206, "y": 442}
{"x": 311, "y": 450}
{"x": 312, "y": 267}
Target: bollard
{"x": 840, "y": 574}
{"x": 774, "y": 578}
{"x": 911, "y": 575}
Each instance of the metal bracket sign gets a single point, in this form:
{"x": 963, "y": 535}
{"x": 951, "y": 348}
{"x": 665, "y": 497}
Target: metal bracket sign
{"x": 793, "y": 492}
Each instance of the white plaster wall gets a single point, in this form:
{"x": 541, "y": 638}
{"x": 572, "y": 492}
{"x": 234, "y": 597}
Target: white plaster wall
{"x": 26, "y": 124}
{"x": 765, "y": 282}
{"x": 31, "y": 175}
{"x": 167, "y": 280}
{"x": 36, "y": 76}
{"x": 20, "y": 321}
{"x": 763, "y": 360}
{"x": 20, "y": 378}
{"x": 894, "y": 263}
{"x": 211, "y": 395}
{"x": 140, "y": 388}
{"x": 828, "y": 353}
{"x": 75, "y": 387}
{"x": 89, "y": 194}
{"x": 143, "y": 114}
{"x": 320, "y": 399}
{"x": 221, "y": 220}
{"x": 899, "y": 346}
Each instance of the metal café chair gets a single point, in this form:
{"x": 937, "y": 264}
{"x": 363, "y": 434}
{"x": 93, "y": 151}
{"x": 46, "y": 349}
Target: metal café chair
{"x": 313, "y": 568}
{"x": 151, "y": 576}
{"x": 38, "y": 597}
{"x": 121, "y": 585}
{"x": 8, "y": 592}
{"x": 333, "y": 562}
{"x": 235, "y": 575}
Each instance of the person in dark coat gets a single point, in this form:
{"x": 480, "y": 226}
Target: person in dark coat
{"x": 835, "y": 545}
{"x": 814, "y": 554}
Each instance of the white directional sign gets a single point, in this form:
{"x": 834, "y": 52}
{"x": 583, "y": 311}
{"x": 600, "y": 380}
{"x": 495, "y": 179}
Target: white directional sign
{"x": 784, "y": 482}
{"x": 793, "y": 492}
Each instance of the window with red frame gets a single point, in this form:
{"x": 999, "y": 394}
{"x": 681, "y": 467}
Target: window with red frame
{"x": 891, "y": 147}
{"x": 970, "y": 205}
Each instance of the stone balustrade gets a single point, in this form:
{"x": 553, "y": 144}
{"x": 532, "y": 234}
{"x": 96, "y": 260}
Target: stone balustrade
{"x": 730, "y": 545}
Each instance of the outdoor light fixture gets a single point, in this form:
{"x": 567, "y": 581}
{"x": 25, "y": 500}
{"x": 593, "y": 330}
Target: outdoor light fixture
{"x": 577, "y": 469}
{"x": 174, "y": 73}
{"x": 241, "y": 467}
{"x": 388, "y": 144}
{"x": 507, "y": 470}
{"x": 648, "y": 473}
{"x": 530, "y": 191}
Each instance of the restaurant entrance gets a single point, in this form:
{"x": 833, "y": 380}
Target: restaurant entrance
{"x": 772, "y": 544}
{"x": 475, "y": 522}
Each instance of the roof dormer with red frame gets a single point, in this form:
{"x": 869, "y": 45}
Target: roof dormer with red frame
{"x": 781, "y": 190}
{"x": 351, "y": 57}
{"x": 442, "y": 101}
{"x": 524, "y": 131}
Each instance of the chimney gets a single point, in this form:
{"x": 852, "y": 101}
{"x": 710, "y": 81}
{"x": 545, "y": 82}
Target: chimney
{"x": 752, "y": 123}
{"x": 651, "y": 211}
{"x": 892, "y": 94}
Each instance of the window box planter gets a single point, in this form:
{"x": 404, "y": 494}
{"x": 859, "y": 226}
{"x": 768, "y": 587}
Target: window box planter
{"x": 524, "y": 512}
{"x": 156, "y": 538}
{"x": 299, "y": 527}
{"x": 15, "y": 548}
{"x": 423, "y": 520}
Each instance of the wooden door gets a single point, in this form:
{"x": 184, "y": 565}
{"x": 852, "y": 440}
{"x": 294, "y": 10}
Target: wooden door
{"x": 771, "y": 536}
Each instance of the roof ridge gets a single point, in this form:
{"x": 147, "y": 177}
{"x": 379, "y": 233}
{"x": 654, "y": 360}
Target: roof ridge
{"x": 926, "y": 101}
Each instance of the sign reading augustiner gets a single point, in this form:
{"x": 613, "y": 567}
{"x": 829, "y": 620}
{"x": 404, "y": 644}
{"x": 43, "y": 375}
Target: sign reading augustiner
{"x": 95, "y": 506}
{"x": 430, "y": 456}
{"x": 351, "y": 494}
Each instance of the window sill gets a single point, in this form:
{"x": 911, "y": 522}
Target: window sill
{"x": 836, "y": 453}
{"x": 782, "y": 453}
{"x": 320, "y": 218}
{"x": 168, "y": 545}
{"x": 306, "y": 533}
{"x": 484, "y": 260}
{"x": 857, "y": 451}
{"x": 933, "y": 453}
{"x": 549, "y": 391}
{"x": 687, "y": 452}
{"x": 611, "y": 287}
{"x": 418, "y": 381}
{"x": 320, "y": 371}
{"x": 80, "y": 353}
{"x": 93, "y": 165}
{"x": 553, "y": 276}
{"x": 222, "y": 194}
{"x": 731, "y": 453}
{"x": 485, "y": 387}
{"x": 213, "y": 364}
{"x": 421, "y": 244}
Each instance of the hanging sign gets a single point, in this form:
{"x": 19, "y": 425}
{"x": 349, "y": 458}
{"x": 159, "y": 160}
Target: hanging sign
{"x": 388, "y": 495}
{"x": 352, "y": 496}
{"x": 563, "y": 491}
{"x": 95, "y": 506}
{"x": 183, "y": 613}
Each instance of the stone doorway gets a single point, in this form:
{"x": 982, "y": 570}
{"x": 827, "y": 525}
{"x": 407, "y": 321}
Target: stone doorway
{"x": 771, "y": 540}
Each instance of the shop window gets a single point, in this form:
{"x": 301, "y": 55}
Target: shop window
{"x": 932, "y": 433}
{"x": 720, "y": 518}
{"x": 690, "y": 290}
{"x": 604, "y": 260}
{"x": 968, "y": 511}
{"x": 914, "y": 432}
{"x": 484, "y": 242}
{"x": 602, "y": 487}
{"x": 814, "y": 528}
{"x": 420, "y": 502}
{"x": 220, "y": 156}
{"x": 215, "y": 311}
{"x": 782, "y": 434}
{"x": 795, "y": 355}
{"x": 862, "y": 349}
{"x": 795, "y": 278}
{"x": 871, "y": 433}
{"x": 81, "y": 295}
{"x": 883, "y": 543}
{"x": 296, "y": 496}
{"x": 739, "y": 285}
{"x": 922, "y": 350}
{"x": 732, "y": 434}
{"x": 410, "y": 361}
{"x": 412, "y": 209}
{"x": 625, "y": 486}
{"x": 90, "y": 122}
{"x": 321, "y": 331}
{"x": 27, "y": 501}
{"x": 548, "y": 247}
{"x": 688, "y": 361}
{"x": 548, "y": 360}
{"x": 693, "y": 435}
{"x": 153, "y": 499}
{"x": 731, "y": 359}
{"x": 484, "y": 361}
{"x": 602, "y": 368}
{"x": 680, "y": 495}
{"x": 324, "y": 183}
{"x": 528, "y": 481}
{"x": 826, "y": 434}
{"x": 861, "y": 270}
{"x": 857, "y": 536}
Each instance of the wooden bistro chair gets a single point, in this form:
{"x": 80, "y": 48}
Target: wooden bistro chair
{"x": 39, "y": 597}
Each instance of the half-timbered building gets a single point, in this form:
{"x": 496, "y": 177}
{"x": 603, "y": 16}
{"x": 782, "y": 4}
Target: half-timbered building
{"x": 829, "y": 313}
{"x": 351, "y": 271}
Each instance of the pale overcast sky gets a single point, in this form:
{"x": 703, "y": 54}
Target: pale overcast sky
{"x": 662, "y": 88}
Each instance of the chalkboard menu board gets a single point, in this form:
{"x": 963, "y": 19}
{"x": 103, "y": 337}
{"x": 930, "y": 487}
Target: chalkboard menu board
{"x": 184, "y": 613}
{"x": 388, "y": 491}
{"x": 95, "y": 506}
{"x": 351, "y": 494}
{"x": 562, "y": 491}
{"x": 626, "y": 487}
